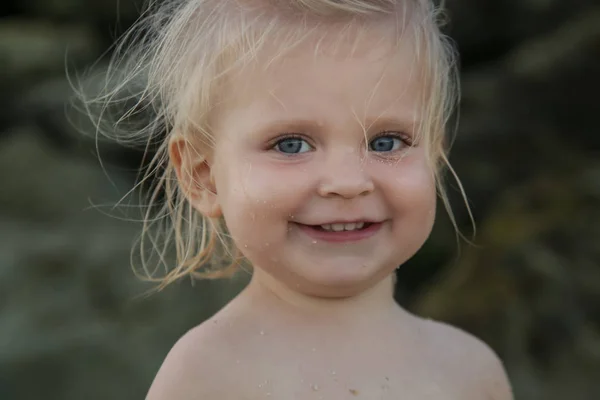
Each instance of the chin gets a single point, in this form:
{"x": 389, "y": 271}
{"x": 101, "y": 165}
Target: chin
{"x": 336, "y": 290}
{"x": 338, "y": 282}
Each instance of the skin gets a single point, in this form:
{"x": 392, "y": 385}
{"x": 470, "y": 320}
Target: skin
{"x": 318, "y": 319}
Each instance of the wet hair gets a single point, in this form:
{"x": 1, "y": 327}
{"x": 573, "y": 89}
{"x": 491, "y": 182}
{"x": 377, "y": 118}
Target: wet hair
{"x": 166, "y": 72}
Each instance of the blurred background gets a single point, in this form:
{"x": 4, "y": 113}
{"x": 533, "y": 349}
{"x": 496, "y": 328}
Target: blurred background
{"x": 73, "y": 324}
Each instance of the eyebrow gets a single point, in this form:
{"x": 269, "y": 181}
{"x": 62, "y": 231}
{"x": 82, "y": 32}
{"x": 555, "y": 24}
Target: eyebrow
{"x": 291, "y": 125}
{"x": 371, "y": 124}
{"x": 388, "y": 122}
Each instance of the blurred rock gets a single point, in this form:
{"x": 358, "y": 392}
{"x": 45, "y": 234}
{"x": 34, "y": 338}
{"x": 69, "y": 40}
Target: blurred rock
{"x": 72, "y": 312}
{"x": 60, "y": 118}
{"x": 89, "y": 10}
{"x": 487, "y": 30}
{"x": 30, "y": 172}
{"x": 30, "y": 50}
{"x": 534, "y": 107}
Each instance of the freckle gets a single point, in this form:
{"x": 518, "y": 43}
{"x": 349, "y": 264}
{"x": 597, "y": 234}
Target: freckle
{"x": 354, "y": 392}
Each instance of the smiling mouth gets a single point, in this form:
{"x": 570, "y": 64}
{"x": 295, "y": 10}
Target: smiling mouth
{"x": 341, "y": 227}
{"x": 341, "y": 232}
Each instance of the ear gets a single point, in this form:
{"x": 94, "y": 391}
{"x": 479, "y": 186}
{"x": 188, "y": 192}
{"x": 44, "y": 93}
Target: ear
{"x": 195, "y": 176}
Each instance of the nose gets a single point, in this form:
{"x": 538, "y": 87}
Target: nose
{"x": 344, "y": 175}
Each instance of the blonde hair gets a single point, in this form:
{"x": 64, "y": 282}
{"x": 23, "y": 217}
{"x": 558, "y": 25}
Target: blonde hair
{"x": 166, "y": 72}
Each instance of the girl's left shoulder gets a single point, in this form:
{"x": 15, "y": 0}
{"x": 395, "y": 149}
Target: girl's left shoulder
{"x": 473, "y": 361}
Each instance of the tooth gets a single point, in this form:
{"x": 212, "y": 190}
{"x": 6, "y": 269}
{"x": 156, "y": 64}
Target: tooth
{"x": 360, "y": 225}
{"x": 349, "y": 227}
{"x": 326, "y": 227}
{"x": 337, "y": 227}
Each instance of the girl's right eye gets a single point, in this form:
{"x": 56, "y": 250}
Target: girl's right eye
{"x": 292, "y": 145}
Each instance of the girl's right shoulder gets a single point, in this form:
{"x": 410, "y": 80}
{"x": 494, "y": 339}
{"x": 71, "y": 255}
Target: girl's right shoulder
{"x": 194, "y": 368}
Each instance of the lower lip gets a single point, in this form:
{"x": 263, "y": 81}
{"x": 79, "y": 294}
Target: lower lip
{"x": 342, "y": 236}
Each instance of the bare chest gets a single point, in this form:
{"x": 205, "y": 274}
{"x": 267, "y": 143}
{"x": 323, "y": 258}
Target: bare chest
{"x": 383, "y": 389}
{"x": 359, "y": 378}
{"x": 390, "y": 363}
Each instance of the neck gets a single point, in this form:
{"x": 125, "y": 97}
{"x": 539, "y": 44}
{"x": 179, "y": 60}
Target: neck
{"x": 275, "y": 299}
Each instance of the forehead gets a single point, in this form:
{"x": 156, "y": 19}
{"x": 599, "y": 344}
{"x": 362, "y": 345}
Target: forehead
{"x": 363, "y": 72}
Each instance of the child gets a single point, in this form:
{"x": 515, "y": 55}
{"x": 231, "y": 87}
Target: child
{"x": 306, "y": 136}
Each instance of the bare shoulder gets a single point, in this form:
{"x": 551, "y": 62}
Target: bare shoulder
{"x": 193, "y": 368}
{"x": 477, "y": 364}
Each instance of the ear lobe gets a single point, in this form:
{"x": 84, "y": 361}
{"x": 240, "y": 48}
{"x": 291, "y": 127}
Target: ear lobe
{"x": 194, "y": 175}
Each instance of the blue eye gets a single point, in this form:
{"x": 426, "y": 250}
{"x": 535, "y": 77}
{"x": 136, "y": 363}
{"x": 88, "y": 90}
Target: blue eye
{"x": 292, "y": 146}
{"x": 385, "y": 143}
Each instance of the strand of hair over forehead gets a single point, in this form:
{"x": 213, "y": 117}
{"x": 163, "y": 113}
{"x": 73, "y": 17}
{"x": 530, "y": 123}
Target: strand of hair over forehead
{"x": 329, "y": 7}
{"x": 163, "y": 70}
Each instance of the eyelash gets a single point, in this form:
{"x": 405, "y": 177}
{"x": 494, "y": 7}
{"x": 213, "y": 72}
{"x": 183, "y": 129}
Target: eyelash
{"x": 406, "y": 139}
{"x": 287, "y": 136}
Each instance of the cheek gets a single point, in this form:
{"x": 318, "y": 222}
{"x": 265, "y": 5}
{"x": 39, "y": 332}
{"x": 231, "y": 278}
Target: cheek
{"x": 412, "y": 191}
{"x": 257, "y": 201}
{"x": 412, "y": 200}
{"x": 263, "y": 187}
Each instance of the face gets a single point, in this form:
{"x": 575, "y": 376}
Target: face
{"x": 316, "y": 169}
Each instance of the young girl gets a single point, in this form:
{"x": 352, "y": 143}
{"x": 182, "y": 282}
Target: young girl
{"x": 305, "y": 137}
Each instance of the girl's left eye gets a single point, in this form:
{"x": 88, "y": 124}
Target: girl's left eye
{"x": 292, "y": 145}
{"x": 386, "y": 143}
